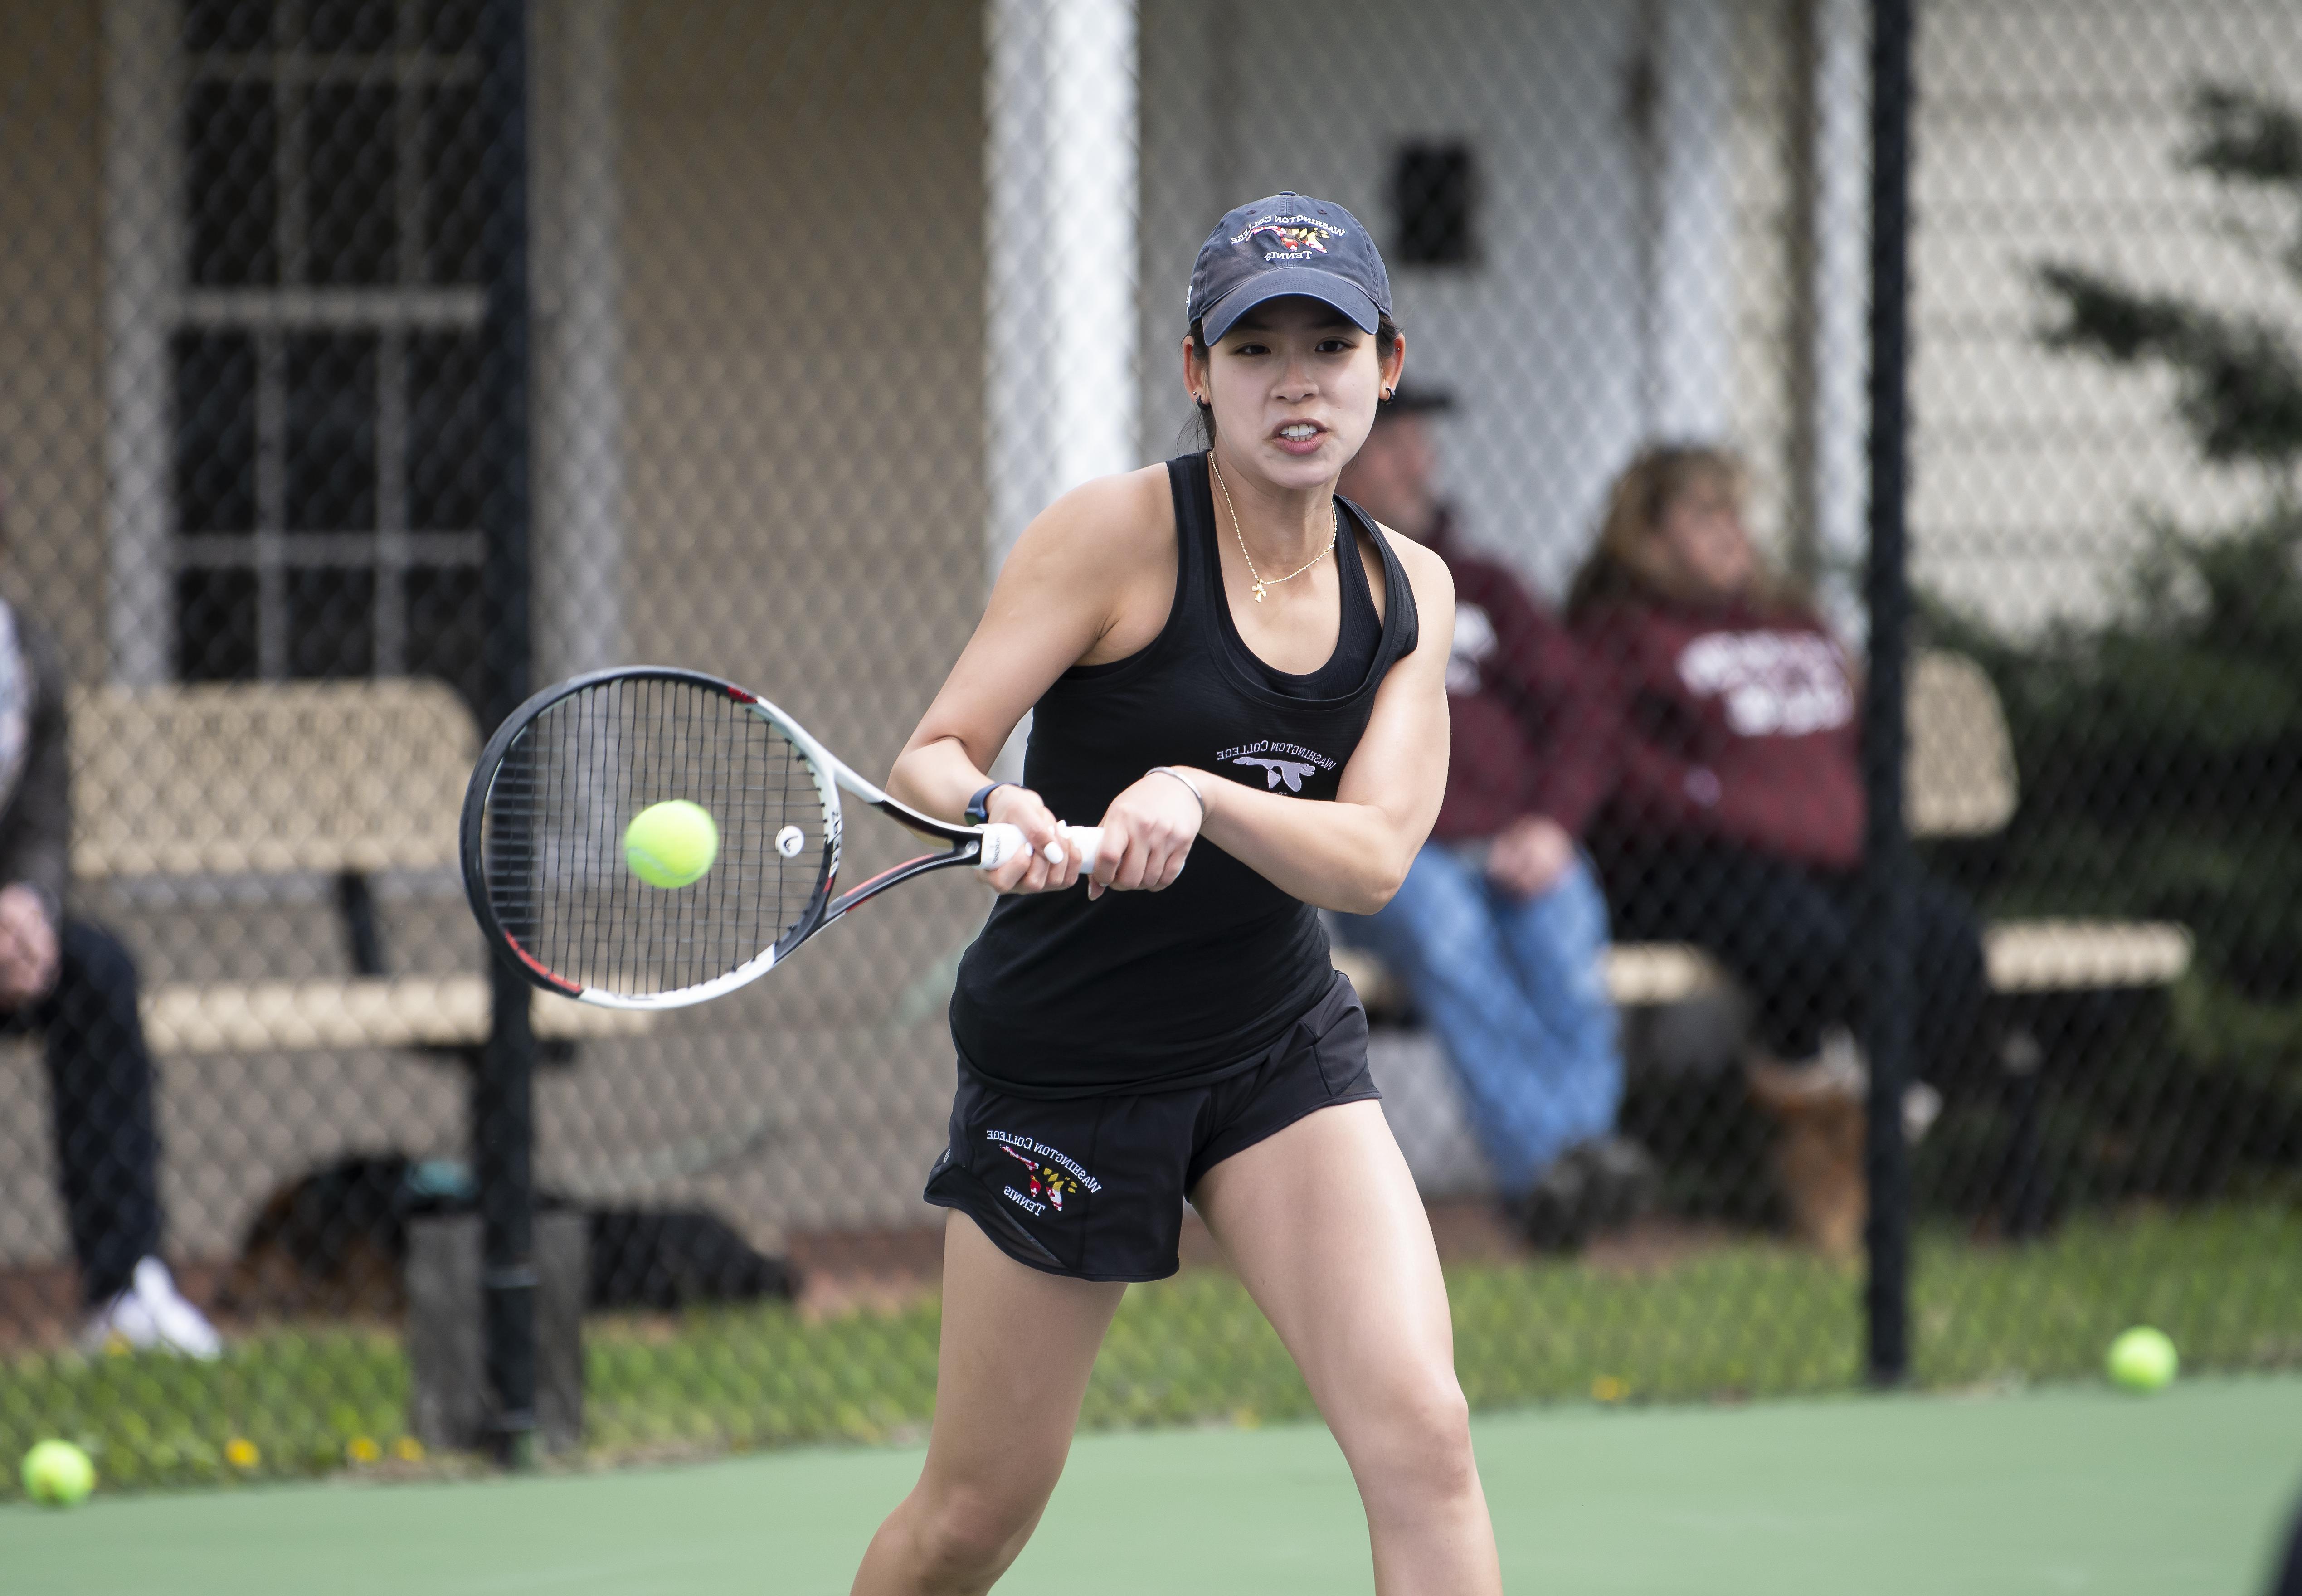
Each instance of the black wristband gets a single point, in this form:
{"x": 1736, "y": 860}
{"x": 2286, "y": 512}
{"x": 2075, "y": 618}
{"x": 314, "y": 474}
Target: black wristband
{"x": 976, "y": 814}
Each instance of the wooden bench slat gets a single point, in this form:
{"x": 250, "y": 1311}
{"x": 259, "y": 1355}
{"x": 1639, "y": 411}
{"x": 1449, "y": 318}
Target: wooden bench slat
{"x": 277, "y": 778}
{"x": 2061, "y": 955}
{"x": 1644, "y": 974}
{"x": 264, "y": 778}
{"x": 356, "y": 1011}
{"x": 2023, "y": 956}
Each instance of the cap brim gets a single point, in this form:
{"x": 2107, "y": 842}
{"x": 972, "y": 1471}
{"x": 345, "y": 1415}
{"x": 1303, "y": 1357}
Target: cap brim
{"x": 1290, "y": 283}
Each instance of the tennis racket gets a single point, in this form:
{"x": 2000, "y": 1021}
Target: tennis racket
{"x": 543, "y": 827}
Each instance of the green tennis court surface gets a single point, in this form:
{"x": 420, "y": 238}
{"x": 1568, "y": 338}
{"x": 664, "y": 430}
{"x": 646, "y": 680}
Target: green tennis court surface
{"x": 2070, "y": 1491}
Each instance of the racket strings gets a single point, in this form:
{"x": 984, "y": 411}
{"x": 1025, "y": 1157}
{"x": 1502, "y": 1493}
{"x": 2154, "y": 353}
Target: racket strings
{"x": 568, "y": 786}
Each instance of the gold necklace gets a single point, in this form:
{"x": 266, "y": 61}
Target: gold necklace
{"x": 1332, "y": 535}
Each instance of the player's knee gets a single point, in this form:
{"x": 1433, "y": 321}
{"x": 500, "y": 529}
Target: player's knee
{"x": 968, "y": 1536}
{"x": 1419, "y": 1443}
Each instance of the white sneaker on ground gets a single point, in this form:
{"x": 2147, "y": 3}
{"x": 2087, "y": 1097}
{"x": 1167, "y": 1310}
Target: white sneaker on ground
{"x": 1922, "y": 1105}
{"x": 151, "y": 1315}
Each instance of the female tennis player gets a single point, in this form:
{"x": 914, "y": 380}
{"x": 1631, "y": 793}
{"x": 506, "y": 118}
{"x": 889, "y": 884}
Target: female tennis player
{"x": 1220, "y": 659}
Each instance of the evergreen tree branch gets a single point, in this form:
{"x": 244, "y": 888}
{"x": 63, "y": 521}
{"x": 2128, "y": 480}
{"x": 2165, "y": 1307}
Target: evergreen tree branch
{"x": 2240, "y": 380}
{"x": 2241, "y": 137}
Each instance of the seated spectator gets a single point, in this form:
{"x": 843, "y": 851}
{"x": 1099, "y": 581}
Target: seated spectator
{"x": 1736, "y": 819}
{"x": 1499, "y": 931}
{"x": 74, "y": 983}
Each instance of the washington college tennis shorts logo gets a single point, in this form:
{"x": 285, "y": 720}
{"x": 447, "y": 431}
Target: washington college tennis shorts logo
{"x": 1045, "y": 1177}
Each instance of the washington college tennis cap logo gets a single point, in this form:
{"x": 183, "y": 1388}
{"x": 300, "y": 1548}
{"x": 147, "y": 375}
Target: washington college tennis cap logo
{"x": 1291, "y": 237}
{"x": 1287, "y": 246}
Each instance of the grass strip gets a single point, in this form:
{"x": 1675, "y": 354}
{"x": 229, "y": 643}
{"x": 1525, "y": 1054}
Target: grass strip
{"x": 1742, "y": 1320}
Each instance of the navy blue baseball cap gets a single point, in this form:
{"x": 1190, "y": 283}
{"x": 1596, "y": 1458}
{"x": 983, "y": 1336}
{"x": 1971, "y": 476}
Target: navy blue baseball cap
{"x": 1282, "y": 246}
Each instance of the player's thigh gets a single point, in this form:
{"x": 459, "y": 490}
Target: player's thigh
{"x": 1018, "y": 1345}
{"x": 1326, "y": 1230}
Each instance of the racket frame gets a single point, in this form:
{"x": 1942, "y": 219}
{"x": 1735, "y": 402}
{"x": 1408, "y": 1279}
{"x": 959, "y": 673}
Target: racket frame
{"x": 830, "y": 772}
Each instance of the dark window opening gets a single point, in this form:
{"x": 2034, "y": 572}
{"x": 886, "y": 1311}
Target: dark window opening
{"x": 326, "y": 482}
{"x": 1433, "y": 200}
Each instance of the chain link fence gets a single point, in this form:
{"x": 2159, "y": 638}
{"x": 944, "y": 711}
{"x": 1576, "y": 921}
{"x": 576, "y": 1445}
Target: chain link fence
{"x": 822, "y": 303}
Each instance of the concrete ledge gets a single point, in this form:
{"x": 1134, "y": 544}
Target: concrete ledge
{"x": 353, "y": 1012}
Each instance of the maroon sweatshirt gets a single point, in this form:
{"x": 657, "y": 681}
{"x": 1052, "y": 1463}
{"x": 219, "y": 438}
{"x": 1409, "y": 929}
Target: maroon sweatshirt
{"x": 1736, "y": 725}
{"x": 1517, "y": 699}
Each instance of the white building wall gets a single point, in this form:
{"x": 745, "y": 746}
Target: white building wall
{"x": 2033, "y": 473}
{"x": 1549, "y": 342}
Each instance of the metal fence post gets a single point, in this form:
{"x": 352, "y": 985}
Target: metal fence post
{"x": 1884, "y": 939}
{"x": 503, "y": 1117}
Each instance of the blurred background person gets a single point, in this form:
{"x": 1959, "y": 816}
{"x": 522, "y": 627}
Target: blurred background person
{"x": 1735, "y": 819}
{"x": 73, "y": 982}
{"x": 1499, "y": 931}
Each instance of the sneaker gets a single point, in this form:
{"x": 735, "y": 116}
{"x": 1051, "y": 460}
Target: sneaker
{"x": 1837, "y": 1073}
{"x": 1817, "y": 1107}
{"x": 1628, "y": 1182}
{"x": 1557, "y": 1213}
{"x": 151, "y": 1315}
{"x": 1922, "y": 1105}
{"x": 1595, "y": 1185}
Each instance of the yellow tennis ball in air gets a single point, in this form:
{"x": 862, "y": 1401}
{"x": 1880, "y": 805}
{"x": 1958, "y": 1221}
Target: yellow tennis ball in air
{"x": 671, "y": 843}
{"x": 58, "y": 1475}
{"x": 2142, "y": 1359}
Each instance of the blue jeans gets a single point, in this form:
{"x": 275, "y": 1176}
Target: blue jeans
{"x": 1517, "y": 989}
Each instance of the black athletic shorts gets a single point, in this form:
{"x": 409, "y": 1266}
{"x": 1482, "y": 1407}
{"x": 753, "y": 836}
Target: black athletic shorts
{"x": 1093, "y": 1187}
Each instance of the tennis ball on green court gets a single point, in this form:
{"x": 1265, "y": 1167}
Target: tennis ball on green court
{"x": 671, "y": 843}
{"x": 58, "y": 1475}
{"x": 2142, "y": 1359}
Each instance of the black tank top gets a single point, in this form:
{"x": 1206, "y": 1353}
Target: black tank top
{"x": 1146, "y": 991}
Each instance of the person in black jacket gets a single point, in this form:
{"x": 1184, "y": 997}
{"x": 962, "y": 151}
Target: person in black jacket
{"x": 74, "y": 982}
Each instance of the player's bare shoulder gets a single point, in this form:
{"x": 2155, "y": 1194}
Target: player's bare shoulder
{"x": 1103, "y": 555}
{"x": 1433, "y": 583}
{"x": 1104, "y": 529}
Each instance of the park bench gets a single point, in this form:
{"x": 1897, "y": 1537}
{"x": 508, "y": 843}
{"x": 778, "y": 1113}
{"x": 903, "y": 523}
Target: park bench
{"x": 1960, "y": 781}
{"x": 340, "y": 779}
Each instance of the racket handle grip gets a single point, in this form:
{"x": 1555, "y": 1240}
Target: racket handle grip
{"x": 1002, "y": 841}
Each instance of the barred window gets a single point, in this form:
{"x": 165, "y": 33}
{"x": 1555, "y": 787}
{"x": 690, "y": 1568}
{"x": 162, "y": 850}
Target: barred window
{"x": 1434, "y": 198}
{"x": 324, "y": 520}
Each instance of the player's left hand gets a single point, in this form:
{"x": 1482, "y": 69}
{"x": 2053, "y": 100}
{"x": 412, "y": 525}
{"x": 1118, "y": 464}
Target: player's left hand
{"x": 1146, "y": 836}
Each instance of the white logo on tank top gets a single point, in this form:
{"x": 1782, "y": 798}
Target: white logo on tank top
{"x": 1275, "y": 771}
{"x": 1289, "y": 762}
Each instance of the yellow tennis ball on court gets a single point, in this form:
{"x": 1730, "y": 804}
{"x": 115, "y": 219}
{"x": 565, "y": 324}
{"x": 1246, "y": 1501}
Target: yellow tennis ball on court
{"x": 58, "y": 1475}
{"x": 2142, "y": 1359}
{"x": 671, "y": 843}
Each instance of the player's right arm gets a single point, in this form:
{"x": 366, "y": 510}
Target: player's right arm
{"x": 1072, "y": 591}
